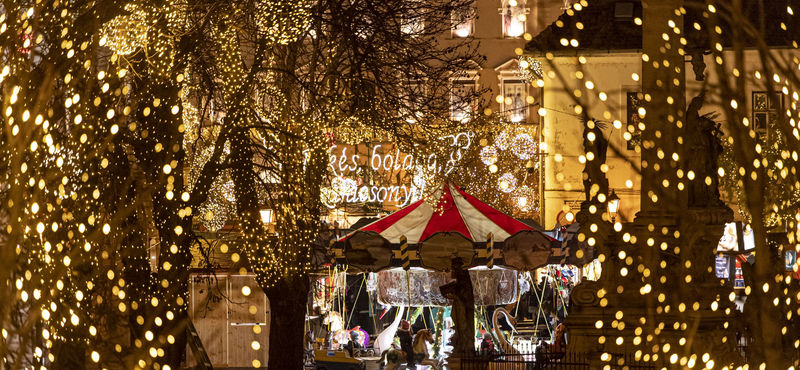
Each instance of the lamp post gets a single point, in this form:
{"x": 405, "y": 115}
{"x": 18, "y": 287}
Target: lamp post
{"x": 613, "y": 205}
{"x": 266, "y": 215}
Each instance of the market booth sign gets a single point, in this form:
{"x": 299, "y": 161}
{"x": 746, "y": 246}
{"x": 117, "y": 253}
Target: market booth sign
{"x": 497, "y": 286}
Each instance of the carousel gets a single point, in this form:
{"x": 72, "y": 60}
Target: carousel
{"x": 449, "y": 265}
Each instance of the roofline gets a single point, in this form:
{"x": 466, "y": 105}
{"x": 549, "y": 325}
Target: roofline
{"x": 601, "y": 52}
{"x": 583, "y": 52}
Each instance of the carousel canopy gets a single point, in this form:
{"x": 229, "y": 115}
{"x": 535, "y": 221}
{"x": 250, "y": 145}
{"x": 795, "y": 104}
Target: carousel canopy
{"x": 456, "y": 211}
{"x": 458, "y": 225}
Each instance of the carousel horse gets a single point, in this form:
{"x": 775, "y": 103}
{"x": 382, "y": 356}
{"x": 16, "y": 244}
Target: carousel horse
{"x": 395, "y": 358}
{"x": 423, "y": 337}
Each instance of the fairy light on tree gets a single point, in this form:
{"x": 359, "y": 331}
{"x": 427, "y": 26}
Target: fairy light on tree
{"x": 116, "y": 119}
{"x": 665, "y": 251}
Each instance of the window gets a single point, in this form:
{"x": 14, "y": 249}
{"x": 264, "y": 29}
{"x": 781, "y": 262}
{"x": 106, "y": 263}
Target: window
{"x": 413, "y": 23}
{"x": 463, "y": 99}
{"x": 462, "y": 22}
{"x": 414, "y": 96}
{"x": 514, "y": 15}
{"x": 767, "y": 109}
{"x": 515, "y": 100}
{"x": 634, "y": 133}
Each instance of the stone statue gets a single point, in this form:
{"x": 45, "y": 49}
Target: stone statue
{"x": 698, "y": 63}
{"x": 704, "y": 149}
{"x": 463, "y": 314}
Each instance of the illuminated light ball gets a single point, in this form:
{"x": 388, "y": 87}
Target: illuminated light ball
{"x": 523, "y": 146}
{"x": 329, "y": 197}
{"x": 351, "y": 187}
{"x": 255, "y": 345}
{"x": 569, "y": 216}
{"x": 227, "y": 192}
{"x": 507, "y": 183}
{"x": 489, "y": 155}
{"x": 493, "y": 168}
{"x": 344, "y": 186}
{"x": 502, "y": 141}
{"x": 246, "y": 290}
{"x": 256, "y": 364}
{"x": 126, "y": 33}
{"x": 363, "y": 194}
{"x": 419, "y": 180}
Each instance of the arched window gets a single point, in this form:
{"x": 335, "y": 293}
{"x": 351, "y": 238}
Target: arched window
{"x": 462, "y": 21}
{"x": 514, "y": 15}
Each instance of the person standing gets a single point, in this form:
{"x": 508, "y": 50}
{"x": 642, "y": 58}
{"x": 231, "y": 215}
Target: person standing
{"x": 405, "y": 334}
{"x": 487, "y": 345}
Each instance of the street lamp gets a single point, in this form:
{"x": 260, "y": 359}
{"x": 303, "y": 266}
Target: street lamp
{"x": 613, "y": 205}
{"x": 266, "y": 215}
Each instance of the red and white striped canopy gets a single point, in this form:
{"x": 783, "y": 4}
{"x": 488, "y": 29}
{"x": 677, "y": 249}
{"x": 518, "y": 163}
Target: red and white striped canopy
{"x": 456, "y": 211}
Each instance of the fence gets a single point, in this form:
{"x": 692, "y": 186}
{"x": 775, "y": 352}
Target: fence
{"x": 549, "y": 361}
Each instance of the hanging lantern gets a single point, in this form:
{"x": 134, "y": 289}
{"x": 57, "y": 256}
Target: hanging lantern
{"x": 525, "y": 199}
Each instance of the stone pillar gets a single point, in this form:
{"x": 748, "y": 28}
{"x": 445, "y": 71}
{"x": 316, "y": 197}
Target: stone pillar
{"x": 663, "y": 124}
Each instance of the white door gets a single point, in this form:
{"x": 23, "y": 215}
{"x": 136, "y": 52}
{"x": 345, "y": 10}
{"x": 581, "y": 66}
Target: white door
{"x": 209, "y": 313}
{"x": 248, "y": 318}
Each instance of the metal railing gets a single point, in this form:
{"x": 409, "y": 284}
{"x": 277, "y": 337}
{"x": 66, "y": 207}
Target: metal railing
{"x": 543, "y": 360}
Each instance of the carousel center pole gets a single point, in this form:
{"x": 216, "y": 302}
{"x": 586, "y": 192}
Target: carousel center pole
{"x": 406, "y": 266}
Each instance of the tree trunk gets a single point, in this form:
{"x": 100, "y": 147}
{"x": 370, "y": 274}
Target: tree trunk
{"x": 288, "y": 300}
{"x": 69, "y": 356}
{"x": 771, "y": 318}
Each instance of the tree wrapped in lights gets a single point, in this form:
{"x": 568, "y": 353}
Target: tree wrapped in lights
{"x": 658, "y": 284}
{"x": 280, "y": 80}
{"x": 94, "y": 163}
{"x": 783, "y": 196}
